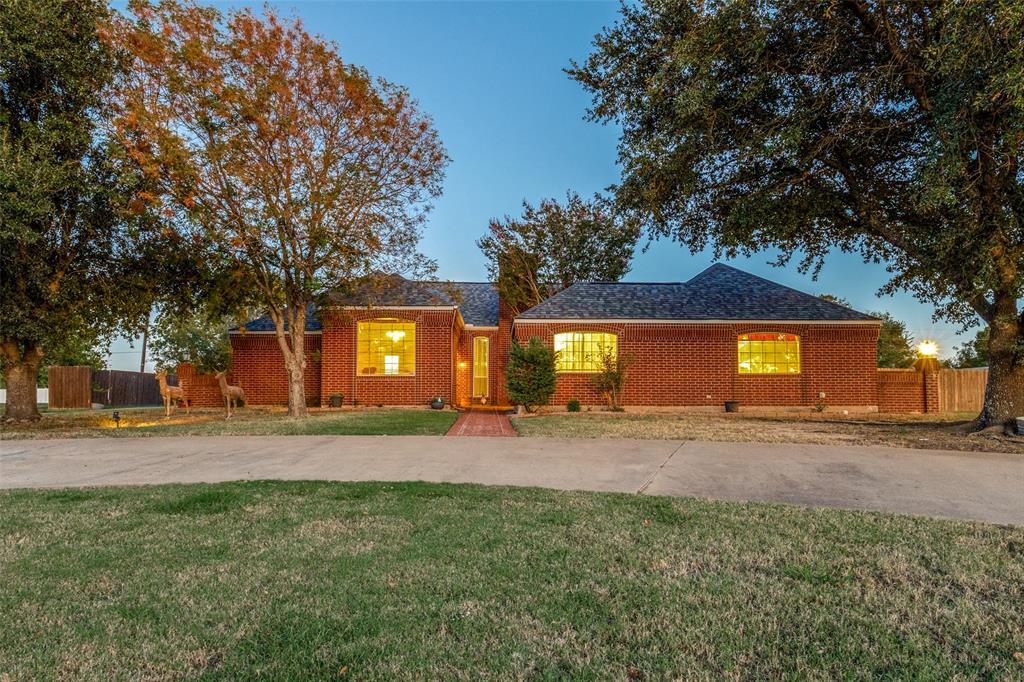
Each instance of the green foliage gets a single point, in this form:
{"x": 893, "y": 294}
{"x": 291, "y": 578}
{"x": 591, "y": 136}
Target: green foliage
{"x": 573, "y": 405}
{"x": 891, "y": 130}
{"x": 531, "y": 374}
{"x": 72, "y": 253}
{"x": 611, "y": 378}
{"x": 553, "y": 246}
{"x": 177, "y": 339}
{"x": 974, "y": 353}
{"x": 895, "y": 345}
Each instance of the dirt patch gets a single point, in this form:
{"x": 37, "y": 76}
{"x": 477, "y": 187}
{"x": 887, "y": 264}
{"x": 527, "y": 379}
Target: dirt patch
{"x": 944, "y": 432}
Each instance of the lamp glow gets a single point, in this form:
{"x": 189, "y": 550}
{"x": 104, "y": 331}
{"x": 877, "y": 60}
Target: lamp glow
{"x": 928, "y": 349}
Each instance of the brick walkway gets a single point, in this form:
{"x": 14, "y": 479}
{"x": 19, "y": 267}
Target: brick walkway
{"x": 482, "y": 424}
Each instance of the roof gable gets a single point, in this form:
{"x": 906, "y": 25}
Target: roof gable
{"x": 476, "y": 301}
{"x": 720, "y": 292}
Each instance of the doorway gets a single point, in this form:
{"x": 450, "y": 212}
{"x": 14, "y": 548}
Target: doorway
{"x": 481, "y": 380}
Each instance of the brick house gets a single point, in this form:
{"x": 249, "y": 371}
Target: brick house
{"x": 723, "y": 335}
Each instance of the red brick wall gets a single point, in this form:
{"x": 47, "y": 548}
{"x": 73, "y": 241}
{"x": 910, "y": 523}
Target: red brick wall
{"x": 257, "y": 365}
{"x": 201, "y": 390}
{"x": 900, "y": 390}
{"x": 436, "y": 332}
{"x": 696, "y": 364}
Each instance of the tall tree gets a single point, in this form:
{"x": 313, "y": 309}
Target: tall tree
{"x": 974, "y": 353}
{"x": 892, "y": 129}
{"x": 554, "y": 245}
{"x": 69, "y": 249}
{"x": 300, "y": 171}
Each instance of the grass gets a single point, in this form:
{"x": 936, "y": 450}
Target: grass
{"x": 943, "y": 432}
{"x": 138, "y": 422}
{"x": 311, "y": 580}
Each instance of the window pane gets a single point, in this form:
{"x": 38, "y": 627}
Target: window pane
{"x": 768, "y": 353}
{"x": 583, "y": 351}
{"x": 386, "y": 346}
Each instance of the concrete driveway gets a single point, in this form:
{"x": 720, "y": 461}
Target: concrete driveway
{"x": 986, "y": 487}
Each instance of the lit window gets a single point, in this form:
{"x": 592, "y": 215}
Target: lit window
{"x": 583, "y": 351}
{"x": 769, "y": 353}
{"x": 386, "y": 346}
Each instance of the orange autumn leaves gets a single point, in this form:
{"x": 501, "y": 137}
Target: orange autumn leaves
{"x": 292, "y": 168}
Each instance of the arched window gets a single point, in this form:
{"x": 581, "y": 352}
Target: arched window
{"x": 583, "y": 351}
{"x": 769, "y": 353}
{"x": 386, "y": 346}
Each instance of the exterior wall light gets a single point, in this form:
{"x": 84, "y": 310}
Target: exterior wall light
{"x": 928, "y": 349}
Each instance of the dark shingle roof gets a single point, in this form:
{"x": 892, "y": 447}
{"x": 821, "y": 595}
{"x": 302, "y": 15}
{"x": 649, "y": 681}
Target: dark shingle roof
{"x": 721, "y": 292}
{"x": 477, "y": 301}
{"x": 265, "y": 324}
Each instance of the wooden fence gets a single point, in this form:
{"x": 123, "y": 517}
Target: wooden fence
{"x": 80, "y": 387}
{"x": 962, "y": 390}
{"x": 118, "y": 388}
{"x": 70, "y": 386}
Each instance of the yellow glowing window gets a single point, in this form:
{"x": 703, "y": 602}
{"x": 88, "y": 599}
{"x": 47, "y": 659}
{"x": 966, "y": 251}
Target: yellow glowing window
{"x": 583, "y": 351}
{"x": 386, "y": 346}
{"x": 769, "y": 353}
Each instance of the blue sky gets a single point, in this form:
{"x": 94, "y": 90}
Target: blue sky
{"x": 490, "y": 74}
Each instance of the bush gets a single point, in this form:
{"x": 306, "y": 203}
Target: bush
{"x": 531, "y": 374}
{"x": 573, "y": 405}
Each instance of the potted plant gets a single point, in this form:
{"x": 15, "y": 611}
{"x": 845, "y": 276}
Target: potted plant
{"x": 437, "y": 403}
{"x": 336, "y": 399}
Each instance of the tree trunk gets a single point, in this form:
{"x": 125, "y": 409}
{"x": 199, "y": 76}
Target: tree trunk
{"x": 1004, "y": 394}
{"x": 21, "y": 373}
{"x": 296, "y": 392}
{"x": 292, "y": 343}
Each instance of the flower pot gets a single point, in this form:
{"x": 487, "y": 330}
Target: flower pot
{"x": 336, "y": 399}
{"x": 732, "y": 406}
{"x": 437, "y": 403}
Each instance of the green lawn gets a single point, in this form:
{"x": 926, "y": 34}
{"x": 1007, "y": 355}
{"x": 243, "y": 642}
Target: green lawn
{"x": 396, "y": 581}
{"x": 255, "y": 422}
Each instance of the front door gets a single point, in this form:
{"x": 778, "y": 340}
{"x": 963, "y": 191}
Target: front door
{"x": 481, "y": 384}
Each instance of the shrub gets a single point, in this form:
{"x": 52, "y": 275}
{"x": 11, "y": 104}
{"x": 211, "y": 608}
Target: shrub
{"x": 611, "y": 378}
{"x": 573, "y": 405}
{"x": 531, "y": 374}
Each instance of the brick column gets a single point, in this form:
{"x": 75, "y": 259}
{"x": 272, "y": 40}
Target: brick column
{"x": 931, "y": 391}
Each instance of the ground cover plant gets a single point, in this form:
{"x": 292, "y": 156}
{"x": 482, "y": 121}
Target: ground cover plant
{"x": 313, "y": 580}
{"x": 140, "y": 422}
{"x": 940, "y": 432}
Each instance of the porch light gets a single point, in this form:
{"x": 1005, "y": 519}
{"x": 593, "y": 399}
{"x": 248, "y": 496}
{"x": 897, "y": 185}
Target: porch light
{"x": 928, "y": 349}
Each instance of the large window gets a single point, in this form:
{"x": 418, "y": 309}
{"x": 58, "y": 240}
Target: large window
{"x": 769, "y": 353}
{"x": 583, "y": 351}
{"x": 386, "y": 346}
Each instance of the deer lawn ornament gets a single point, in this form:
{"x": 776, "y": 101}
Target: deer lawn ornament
{"x": 170, "y": 394}
{"x": 232, "y": 394}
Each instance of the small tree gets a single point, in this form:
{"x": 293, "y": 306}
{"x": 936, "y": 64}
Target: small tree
{"x": 974, "y": 353}
{"x": 611, "y": 378}
{"x": 531, "y": 374}
{"x": 555, "y": 245}
{"x": 895, "y": 344}
{"x": 300, "y": 172}
{"x": 191, "y": 339}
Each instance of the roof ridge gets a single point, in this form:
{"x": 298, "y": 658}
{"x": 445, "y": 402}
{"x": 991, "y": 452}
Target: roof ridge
{"x": 720, "y": 265}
